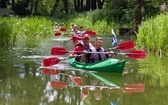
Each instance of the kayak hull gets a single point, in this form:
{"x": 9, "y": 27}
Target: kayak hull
{"x": 111, "y": 79}
{"x": 107, "y": 65}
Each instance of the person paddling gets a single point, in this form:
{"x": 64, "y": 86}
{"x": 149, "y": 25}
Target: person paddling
{"x": 97, "y": 56}
{"x": 84, "y": 45}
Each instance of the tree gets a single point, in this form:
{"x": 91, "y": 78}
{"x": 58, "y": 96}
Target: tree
{"x": 3, "y": 4}
{"x": 138, "y": 13}
{"x": 100, "y": 4}
{"x": 93, "y": 4}
{"x": 54, "y": 7}
{"x": 13, "y": 5}
{"x": 88, "y": 5}
{"x": 65, "y": 5}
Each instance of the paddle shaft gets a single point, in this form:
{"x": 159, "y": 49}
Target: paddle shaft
{"x": 116, "y": 53}
{"x": 87, "y": 86}
{"x": 89, "y": 52}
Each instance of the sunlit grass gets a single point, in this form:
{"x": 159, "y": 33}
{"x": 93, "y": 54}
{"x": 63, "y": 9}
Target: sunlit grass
{"x": 153, "y": 34}
{"x": 31, "y": 28}
{"x": 102, "y": 27}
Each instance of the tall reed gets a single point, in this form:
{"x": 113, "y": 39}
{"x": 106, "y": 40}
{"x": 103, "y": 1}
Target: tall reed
{"x": 153, "y": 34}
{"x": 5, "y": 31}
{"x": 29, "y": 28}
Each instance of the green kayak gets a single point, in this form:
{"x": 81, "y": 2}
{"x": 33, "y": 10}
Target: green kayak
{"x": 107, "y": 65}
{"x": 111, "y": 79}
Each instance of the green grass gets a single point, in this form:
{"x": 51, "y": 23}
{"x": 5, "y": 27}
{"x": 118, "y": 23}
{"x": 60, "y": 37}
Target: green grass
{"x": 101, "y": 27}
{"x": 31, "y": 29}
{"x": 153, "y": 34}
{"x": 28, "y": 29}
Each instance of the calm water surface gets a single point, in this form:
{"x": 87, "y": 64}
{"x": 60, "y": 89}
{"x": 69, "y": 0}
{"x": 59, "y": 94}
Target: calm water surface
{"x": 22, "y": 82}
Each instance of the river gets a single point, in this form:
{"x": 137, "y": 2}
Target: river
{"x": 23, "y": 82}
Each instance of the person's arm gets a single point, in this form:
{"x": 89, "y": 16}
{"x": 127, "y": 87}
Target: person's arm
{"x": 83, "y": 58}
{"x": 110, "y": 54}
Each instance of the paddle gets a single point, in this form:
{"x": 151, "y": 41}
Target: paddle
{"x": 58, "y": 84}
{"x": 137, "y": 54}
{"x": 51, "y": 71}
{"x": 50, "y": 61}
{"x": 61, "y": 84}
{"x": 132, "y": 54}
{"x": 130, "y": 88}
{"x": 57, "y": 33}
{"x": 124, "y": 45}
{"x": 90, "y": 32}
{"x": 62, "y": 29}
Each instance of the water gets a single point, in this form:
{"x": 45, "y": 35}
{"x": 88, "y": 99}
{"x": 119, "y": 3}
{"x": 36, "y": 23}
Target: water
{"x": 144, "y": 82}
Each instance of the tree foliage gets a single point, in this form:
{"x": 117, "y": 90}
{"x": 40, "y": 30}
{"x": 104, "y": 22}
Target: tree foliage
{"x": 120, "y": 11}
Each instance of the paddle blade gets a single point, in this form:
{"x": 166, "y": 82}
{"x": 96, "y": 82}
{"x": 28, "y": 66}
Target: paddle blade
{"x": 137, "y": 54}
{"x": 50, "y": 71}
{"x": 62, "y": 29}
{"x": 57, "y": 34}
{"x": 137, "y": 88}
{"x": 58, "y": 51}
{"x": 58, "y": 84}
{"x": 90, "y": 32}
{"x": 50, "y": 61}
{"x": 76, "y": 80}
{"x": 126, "y": 45}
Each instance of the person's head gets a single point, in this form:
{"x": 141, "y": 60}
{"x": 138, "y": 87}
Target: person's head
{"x": 85, "y": 92}
{"x": 86, "y": 39}
{"x": 98, "y": 42}
{"x": 97, "y": 94}
{"x": 75, "y": 28}
{"x": 80, "y": 28}
{"x": 72, "y": 25}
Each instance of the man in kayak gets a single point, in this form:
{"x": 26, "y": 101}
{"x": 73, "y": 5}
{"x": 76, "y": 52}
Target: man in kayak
{"x": 84, "y": 45}
{"x": 97, "y": 52}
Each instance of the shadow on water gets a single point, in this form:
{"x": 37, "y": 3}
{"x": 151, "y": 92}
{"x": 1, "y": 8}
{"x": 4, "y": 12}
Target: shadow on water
{"x": 143, "y": 81}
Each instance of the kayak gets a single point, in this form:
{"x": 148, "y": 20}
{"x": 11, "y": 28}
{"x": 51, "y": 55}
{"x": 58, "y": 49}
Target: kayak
{"x": 110, "y": 79}
{"x": 107, "y": 65}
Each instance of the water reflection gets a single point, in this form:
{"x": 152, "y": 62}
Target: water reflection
{"x": 88, "y": 85}
{"x": 144, "y": 81}
{"x": 155, "y": 68}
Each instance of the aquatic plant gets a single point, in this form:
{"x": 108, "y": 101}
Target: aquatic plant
{"x": 153, "y": 34}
